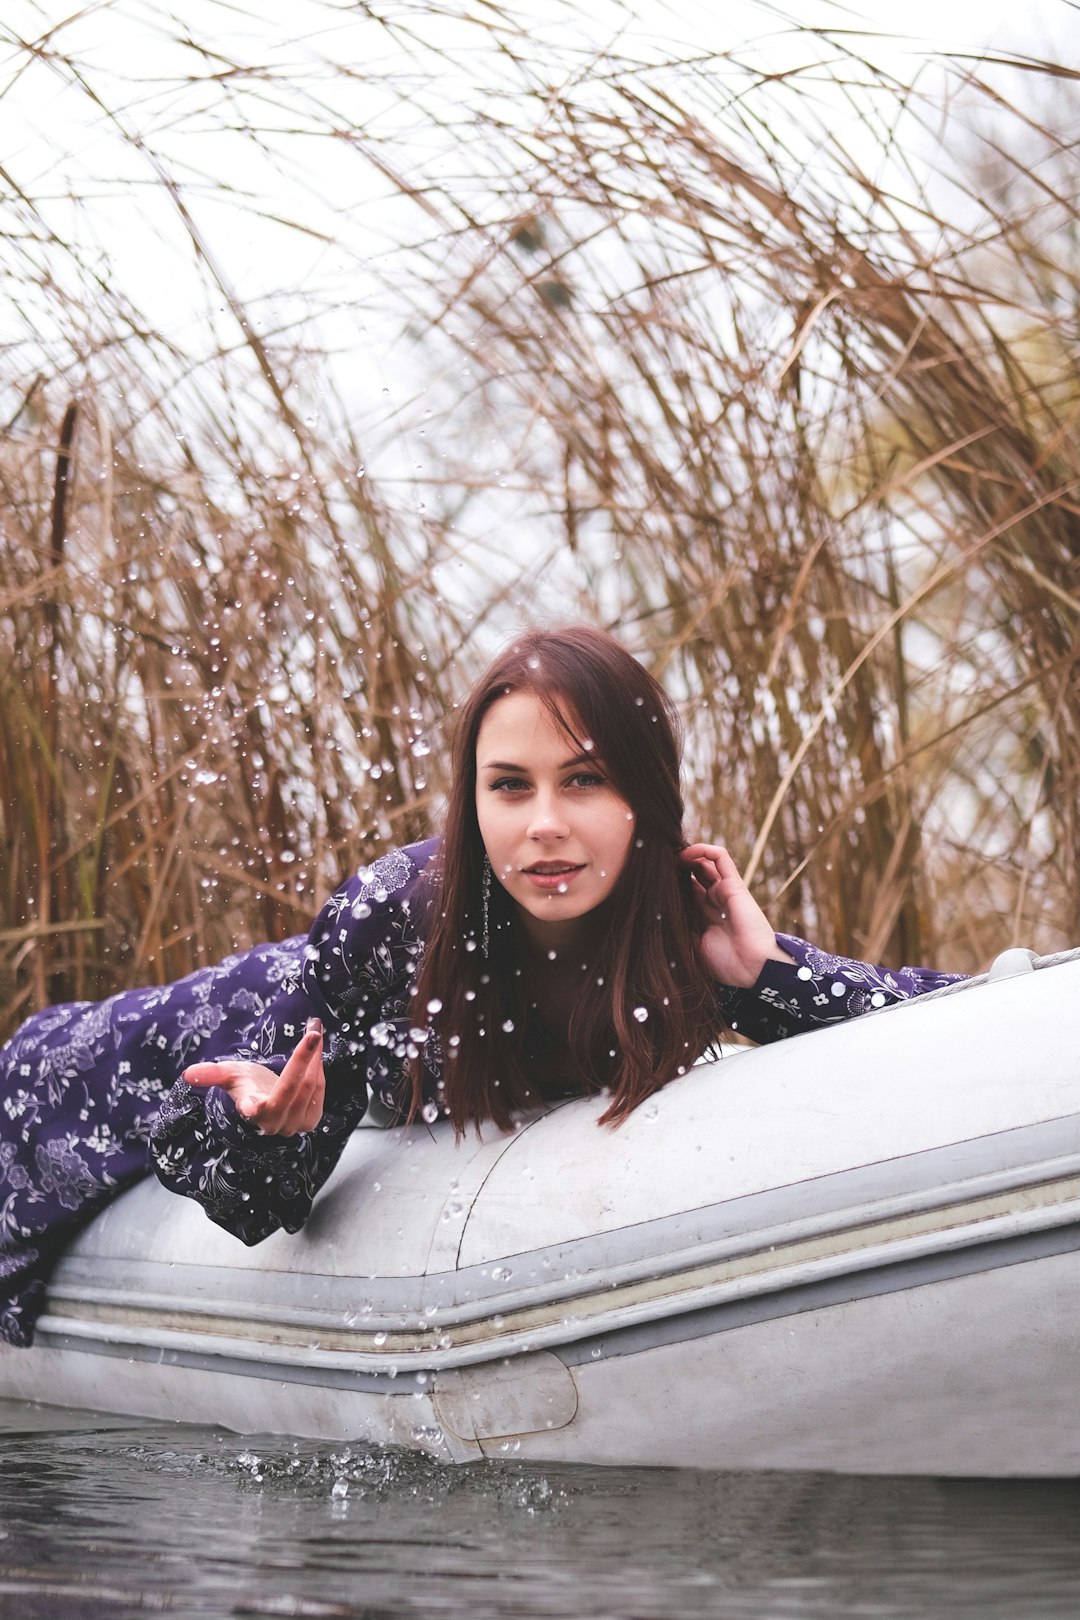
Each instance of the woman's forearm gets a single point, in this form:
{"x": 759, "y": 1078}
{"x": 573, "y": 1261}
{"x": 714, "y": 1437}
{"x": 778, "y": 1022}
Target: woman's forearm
{"x": 803, "y": 987}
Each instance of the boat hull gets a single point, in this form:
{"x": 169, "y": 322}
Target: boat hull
{"x": 861, "y": 1387}
{"x": 857, "y": 1252}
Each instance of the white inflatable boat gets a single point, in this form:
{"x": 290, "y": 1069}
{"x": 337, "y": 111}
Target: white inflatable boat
{"x": 858, "y": 1250}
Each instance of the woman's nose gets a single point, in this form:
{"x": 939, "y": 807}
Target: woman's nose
{"x": 547, "y": 822}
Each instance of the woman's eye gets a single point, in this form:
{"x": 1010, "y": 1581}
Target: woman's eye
{"x": 509, "y": 784}
{"x": 587, "y": 779}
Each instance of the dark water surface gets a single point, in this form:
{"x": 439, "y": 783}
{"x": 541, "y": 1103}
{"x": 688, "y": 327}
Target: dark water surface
{"x": 108, "y": 1517}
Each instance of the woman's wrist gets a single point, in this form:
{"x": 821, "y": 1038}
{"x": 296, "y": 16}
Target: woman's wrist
{"x": 756, "y": 967}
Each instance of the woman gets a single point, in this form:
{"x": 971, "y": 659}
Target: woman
{"x": 560, "y": 939}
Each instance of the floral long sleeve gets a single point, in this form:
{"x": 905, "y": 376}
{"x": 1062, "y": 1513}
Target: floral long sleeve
{"x": 355, "y": 972}
{"x": 80, "y": 1088}
{"x": 819, "y": 988}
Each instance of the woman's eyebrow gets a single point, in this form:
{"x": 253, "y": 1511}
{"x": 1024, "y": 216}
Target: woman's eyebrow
{"x": 523, "y": 770}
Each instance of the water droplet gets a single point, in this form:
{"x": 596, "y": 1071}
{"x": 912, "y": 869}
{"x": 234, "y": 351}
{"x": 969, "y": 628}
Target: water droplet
{"x": 641, "y": 1013}
{"x": 434, "y": 1006}
{"x": 501, "y": 1273}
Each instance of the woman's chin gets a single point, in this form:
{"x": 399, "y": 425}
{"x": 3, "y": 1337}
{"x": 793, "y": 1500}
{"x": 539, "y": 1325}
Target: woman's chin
{"x": 557, "y": 920}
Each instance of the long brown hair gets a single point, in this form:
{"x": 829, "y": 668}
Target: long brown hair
{"x": 654, "y": 1008}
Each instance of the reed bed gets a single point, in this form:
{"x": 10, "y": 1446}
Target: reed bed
{"x": 773, "y": 375}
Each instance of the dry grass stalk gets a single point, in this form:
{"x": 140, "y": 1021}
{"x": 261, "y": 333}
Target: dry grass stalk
{"x": 808, "y": 445}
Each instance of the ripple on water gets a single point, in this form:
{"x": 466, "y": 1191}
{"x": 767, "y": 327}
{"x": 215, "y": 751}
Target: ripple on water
{"x": 113, "y": 1518}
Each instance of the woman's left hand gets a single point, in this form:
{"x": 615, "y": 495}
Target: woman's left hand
{"x": 737, "y": 939}
{"x": 279, "y": 1104}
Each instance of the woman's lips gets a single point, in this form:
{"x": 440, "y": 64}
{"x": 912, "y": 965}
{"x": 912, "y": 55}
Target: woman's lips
{"x": 551, "y": 877}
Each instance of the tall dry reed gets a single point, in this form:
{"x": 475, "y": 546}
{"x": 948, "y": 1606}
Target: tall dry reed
{"x": 786, "y": 398}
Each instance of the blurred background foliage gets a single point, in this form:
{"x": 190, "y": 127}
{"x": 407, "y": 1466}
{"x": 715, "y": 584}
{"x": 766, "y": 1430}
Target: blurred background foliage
{"x": 329, "y": 358}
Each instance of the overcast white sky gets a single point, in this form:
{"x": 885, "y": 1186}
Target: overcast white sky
{"x": 59, "y": 140}
{"x": 55, "y": 138}
{"x": 943, "y": 23}
{"x": 63, "y": 146}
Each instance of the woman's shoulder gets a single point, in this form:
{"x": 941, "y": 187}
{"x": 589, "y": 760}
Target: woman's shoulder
{"x": 370, "y": 926}
{"x": 389, "y": 885}
{"x": 395, "y": 872}
{"x": 397, "y": 875}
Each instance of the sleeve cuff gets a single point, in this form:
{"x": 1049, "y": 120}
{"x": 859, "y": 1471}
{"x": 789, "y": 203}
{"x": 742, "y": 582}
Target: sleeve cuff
{"x": 787, "y": 998}
{"x": 223, "y": 1115}
{"x": 235, "y": 1131}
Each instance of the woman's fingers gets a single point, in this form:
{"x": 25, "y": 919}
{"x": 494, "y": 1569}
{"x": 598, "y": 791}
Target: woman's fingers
{"x": 216, "y": 1074}
{"x": 247, "y": 1083}
{"x": 714, "y": 856}
{"x": 716, "y": 875}
{"x": 287, "y": 1105}
{"x": 296, "y": 1101}
{"x": 703, "y": 869}
{"x": 694, "y": 852}
{"x": 281, "y": 1104}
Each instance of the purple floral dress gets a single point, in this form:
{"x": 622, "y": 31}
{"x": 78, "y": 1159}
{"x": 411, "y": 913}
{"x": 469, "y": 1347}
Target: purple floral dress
{"x": 91, "y": 1099}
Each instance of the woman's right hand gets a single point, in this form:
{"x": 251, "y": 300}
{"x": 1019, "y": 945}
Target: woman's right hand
{"x": 279, "y": 1104}
{"x": 737, "y": 938}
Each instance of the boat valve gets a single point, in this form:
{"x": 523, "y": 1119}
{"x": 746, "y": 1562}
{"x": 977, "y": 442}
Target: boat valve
{"x": 1011, "y": 962}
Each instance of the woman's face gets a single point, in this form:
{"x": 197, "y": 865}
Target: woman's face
{"x": 556, "y": 832}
